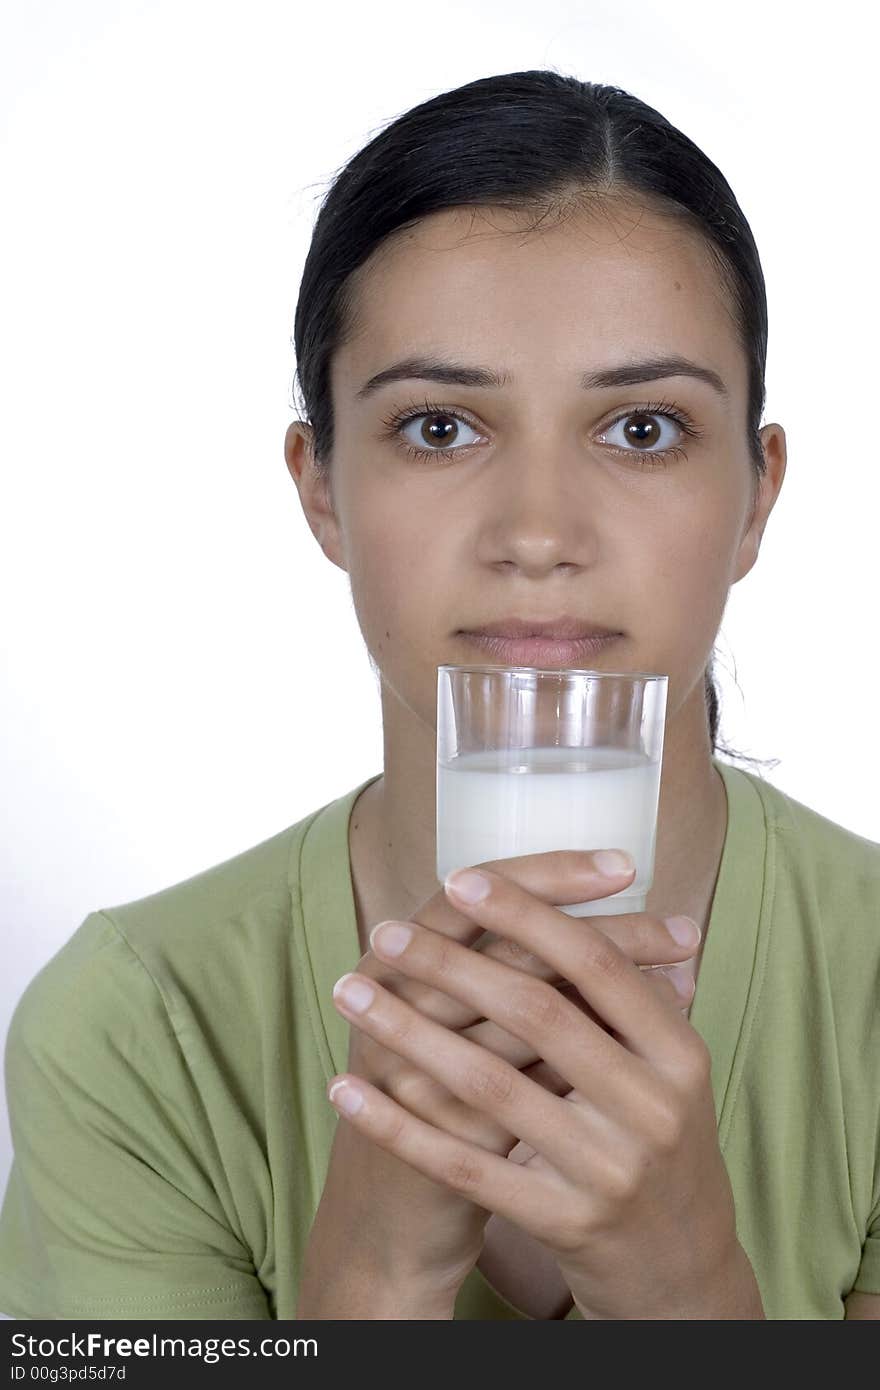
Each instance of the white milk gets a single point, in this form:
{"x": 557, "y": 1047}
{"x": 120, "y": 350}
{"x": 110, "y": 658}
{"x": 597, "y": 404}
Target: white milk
{"x": 498, "y": 804}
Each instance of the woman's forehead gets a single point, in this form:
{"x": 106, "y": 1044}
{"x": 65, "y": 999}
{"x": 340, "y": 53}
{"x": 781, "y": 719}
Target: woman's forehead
{"x": 473, "y": 288}
{"x": 485, "y": 236}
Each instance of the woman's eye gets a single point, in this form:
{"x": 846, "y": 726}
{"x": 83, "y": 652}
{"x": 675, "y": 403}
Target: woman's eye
{"x": 435, "y": 432}
{"x": 643, "y": 432}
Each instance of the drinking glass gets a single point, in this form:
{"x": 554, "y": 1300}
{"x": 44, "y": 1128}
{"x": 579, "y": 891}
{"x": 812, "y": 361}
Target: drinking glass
{"x": 530, "y": 760}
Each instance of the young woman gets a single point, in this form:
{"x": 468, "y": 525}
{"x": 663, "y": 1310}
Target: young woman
{"x": 530, "y": 339}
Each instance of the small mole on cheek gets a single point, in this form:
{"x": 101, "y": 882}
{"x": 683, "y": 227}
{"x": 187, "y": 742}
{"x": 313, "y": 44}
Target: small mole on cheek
{"x": 677, "y": 285}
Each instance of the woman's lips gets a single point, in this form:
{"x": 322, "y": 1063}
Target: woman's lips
{"x": 540, "y": 651}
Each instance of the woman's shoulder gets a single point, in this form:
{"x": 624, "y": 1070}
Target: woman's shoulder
{"x": 222, "y": 922}
{"x": 244, "y": 898}
{"x": 805, "y": 834}
{"x": 820, "y": 877}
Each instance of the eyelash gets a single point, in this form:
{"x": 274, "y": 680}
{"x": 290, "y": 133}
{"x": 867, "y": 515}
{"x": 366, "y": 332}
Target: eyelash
{"x": 395, "y": 422}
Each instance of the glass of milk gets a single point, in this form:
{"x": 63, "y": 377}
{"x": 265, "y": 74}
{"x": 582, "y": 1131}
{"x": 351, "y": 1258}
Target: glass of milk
{"x": 530, "y": 760}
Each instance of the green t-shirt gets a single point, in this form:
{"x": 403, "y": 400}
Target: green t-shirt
{"x": 167, "y": 1074}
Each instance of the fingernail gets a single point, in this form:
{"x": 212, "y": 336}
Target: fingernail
{"x": 683, "y": 930}
{"x": 682, "y": 979}
{"x": 467, "y": 884}
{"x": 354, "y": 993}
{"x": 392, "y": 938}
{"x": 613, "y": 861}
{"x": 347, "y": 1098}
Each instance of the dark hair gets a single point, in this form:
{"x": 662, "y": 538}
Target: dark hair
{"x": 537, "y": 142}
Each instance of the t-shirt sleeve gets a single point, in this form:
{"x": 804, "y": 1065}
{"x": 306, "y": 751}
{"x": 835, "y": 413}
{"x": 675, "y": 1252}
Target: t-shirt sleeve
{"x": 110, "y": 1210}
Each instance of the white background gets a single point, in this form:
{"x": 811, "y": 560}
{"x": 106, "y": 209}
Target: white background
{"x": 183, "y": 675}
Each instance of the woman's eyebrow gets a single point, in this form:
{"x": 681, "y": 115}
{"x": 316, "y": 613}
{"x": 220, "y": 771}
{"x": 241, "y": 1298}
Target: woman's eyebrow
{"x": 458, "y": 374}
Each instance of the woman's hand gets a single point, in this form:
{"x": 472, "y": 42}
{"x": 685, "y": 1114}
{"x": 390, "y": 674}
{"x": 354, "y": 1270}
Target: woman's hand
{"x": 400, "y": 1225}
{"x": 626, "y": 1186}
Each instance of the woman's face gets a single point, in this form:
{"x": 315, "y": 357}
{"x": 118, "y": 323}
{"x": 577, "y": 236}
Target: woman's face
{"x": 553, "y": 500}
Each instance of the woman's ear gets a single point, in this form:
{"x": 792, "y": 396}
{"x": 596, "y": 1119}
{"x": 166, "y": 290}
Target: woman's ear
{"x": 766, "y": 491}
{"x": 315, "y": 491}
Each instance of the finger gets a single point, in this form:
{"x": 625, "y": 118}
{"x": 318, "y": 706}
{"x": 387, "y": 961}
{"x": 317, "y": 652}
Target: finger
{"x": 645, "y": 939}
{"x": 497, "y": 1184}
{"x": 502, "y": 1041}
{"x": 592, "y": 1061}
{"x": 426, "y": 1098}
{"x": 611, "y": 984}
{"x": 432, "y": 1102}
{"x": 574, "y": 1043}
{"x": 677, "y": 991}
{"x": 556, "y": 876}
{"x": 561, "y": 1127}
{"x": 545, "y": 1076}
{"x": 677, "y": 983}
{"x": 485, "y": 1083}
